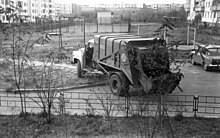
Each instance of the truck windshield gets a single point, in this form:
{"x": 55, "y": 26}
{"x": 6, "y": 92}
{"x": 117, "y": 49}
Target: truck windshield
{"x": 214, "y": 52}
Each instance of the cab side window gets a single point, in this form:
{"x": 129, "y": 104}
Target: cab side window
{"x": 203, "y": 51}
{"x": 198, "y": 50}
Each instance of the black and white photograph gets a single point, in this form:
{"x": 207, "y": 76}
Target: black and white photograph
{"x": 109, "y": 69}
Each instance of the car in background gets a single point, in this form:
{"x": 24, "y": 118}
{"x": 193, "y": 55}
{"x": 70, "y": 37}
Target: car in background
{"x": 206, "y": 55}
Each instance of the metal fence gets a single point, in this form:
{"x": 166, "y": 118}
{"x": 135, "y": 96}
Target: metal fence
{"x": 91, "y": 26}
{"x": 100, "y": 103}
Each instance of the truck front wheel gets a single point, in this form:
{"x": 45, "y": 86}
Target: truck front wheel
{"x": 79, "y": 69}
{"x": 117, "y": 86}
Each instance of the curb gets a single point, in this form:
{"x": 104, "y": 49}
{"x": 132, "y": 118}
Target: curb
{"x": 59, "y": 89}
{"x": 179, "y": 60}
{"x": 85, "y": 86}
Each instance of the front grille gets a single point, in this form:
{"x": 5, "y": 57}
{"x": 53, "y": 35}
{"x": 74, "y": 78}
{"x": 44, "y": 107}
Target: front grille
{"x": 216, "y": 62}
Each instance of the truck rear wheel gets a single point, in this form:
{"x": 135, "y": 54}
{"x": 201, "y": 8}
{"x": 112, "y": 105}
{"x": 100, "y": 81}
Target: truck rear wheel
{"x": 79, "y": 69}
{"x": 118, "y": 85}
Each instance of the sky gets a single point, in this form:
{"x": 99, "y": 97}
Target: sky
{"x": 91, "y": 2}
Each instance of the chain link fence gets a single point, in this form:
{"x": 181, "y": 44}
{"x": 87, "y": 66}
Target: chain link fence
{"x": 77, "y": 25}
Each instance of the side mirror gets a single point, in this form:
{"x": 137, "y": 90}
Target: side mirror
{"x": 86, "y": 44}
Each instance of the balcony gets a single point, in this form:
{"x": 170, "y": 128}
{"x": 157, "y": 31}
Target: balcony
{"x": 199, "y": 8}
{"x": 215, "y": 8}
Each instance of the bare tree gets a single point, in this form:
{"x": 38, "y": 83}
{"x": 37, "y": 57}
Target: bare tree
{"x": 47, "y": 83}
{"x": 19, "y": 37}
{"x": 17, "y": 40}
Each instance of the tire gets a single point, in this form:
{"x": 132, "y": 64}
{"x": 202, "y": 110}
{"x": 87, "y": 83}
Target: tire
{"x": 205, "y": 67}
{"x": 79, "y": 69}
{"x": 118, "y": 85}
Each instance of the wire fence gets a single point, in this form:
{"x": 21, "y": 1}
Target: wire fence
{"x": 91, "y": 26}
{"x": 100, "y": 103}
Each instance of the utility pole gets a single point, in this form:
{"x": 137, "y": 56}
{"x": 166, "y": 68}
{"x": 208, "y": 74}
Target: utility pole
{"x": 84, "y": 31}
{"x": 60, "y": 35}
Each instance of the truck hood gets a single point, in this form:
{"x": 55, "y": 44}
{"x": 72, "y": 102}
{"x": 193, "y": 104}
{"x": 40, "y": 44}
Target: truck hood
{"x": 81, "y": 50}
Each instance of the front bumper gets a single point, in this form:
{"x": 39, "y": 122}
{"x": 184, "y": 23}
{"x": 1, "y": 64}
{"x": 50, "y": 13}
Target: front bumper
{"x": 214, "y": 66}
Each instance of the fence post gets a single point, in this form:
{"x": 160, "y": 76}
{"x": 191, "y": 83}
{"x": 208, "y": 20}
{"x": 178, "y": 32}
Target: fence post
{"x": 129, "y": 25}
{"x": 138, "y": 29}
{"x": 60, "y": 35}
{"x": 84, "y": 31}
{"x": 97, "y": 24}
{"x": 127, "y": 104}
{"x": 194, "y": 43}
{"x": 112, "y": 25}
{"x": 188, "y": 35}
{"x": 195, "y": 104}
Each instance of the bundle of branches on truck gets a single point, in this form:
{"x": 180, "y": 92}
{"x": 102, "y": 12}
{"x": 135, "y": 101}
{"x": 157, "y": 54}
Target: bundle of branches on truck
{"x": 129, "y": 60}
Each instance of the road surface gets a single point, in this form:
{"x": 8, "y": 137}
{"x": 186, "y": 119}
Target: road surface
{"x": 196, "y": 81}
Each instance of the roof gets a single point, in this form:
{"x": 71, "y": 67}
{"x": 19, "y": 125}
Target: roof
{"x": 126, "y": 38}
{"x": 140, "y": 39}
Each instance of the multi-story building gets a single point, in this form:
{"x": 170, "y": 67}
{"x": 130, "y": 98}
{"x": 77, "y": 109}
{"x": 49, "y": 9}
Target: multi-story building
{"x": 76, "y": 9}
{"x": 209, "y": 10}
{"x": 163, "y": 7}
{"x": 63, "y": 9}
{"x": 46, "y": 8}
{"x": 118, "y": 5}
{"x": 30, "y": 9}
{"x": 166, "y": 7}
{"x": 187, "y": 7}
{"x": 4, "y": 4}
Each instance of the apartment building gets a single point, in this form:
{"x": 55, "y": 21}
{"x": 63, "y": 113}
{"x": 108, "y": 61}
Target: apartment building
{"x": 45, "y": 8}
{"x": 118, "y": 5}
{"x": 30, "y": 9}
{"x": 76, "y": 9}
{"x": 163, "y": 7}
{"x": 62, "y": 9}
{"x": 4, "y": 4}
{"x": 209, "y": 10}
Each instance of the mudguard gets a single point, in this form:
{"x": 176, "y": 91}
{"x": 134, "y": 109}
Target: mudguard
{"x": 78, "y": 55}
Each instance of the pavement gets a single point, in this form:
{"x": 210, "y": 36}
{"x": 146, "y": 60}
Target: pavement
{"x": 196, "y": 83}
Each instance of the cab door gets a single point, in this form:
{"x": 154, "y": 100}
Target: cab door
{"x": 198, "y": 57}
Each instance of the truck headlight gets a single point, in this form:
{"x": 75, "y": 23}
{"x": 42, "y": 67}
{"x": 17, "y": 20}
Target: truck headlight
{"x": 123, "y": 58}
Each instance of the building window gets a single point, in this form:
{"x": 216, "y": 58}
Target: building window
{"x": 214, "y": 14}
{"x": 3, "y": 1}
{"x": 7, "y": 2}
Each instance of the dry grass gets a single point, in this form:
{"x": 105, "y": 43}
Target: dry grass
{"x": 96, "y": 126}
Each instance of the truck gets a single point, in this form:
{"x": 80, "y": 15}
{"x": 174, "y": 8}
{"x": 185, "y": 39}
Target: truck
{"x": 129, "y": 60}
